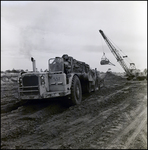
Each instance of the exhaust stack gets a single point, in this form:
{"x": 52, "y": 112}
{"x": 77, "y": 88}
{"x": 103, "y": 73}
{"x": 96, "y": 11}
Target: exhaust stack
{"x": 33, "y": 63}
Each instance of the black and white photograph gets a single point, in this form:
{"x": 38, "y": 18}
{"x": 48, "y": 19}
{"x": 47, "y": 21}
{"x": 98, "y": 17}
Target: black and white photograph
{"x": 73, "y": 74}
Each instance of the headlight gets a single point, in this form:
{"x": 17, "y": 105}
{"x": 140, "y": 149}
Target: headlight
{"x": 42, "y": 80}
{"x": 42, "y": 77}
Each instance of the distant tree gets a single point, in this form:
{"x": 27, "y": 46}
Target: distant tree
{"x": 17, "y": 71}
{"x": 21, "y": 70}
{"x": 8, "y": 71}
{"x": 145, "y": 71}
{"x": 14, "y": 71}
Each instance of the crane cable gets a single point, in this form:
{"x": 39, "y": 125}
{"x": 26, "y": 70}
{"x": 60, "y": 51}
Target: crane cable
{"x": 129, "y": 60}
{"x": 104, "y": 52}
{"x": 102, "y": 45}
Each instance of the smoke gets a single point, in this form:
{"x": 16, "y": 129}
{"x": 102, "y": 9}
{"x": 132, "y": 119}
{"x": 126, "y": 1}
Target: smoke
{"x": 25, "y": 43}
{"x": 31, "y": 40}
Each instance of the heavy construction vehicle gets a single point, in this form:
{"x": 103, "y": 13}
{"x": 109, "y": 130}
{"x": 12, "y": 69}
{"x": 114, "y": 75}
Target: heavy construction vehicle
{"x": 65, "y": 76}
{"x": 131, "y": 72}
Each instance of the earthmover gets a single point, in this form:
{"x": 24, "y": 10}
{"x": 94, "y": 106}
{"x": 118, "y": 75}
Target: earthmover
{"x": 65, "y": 76}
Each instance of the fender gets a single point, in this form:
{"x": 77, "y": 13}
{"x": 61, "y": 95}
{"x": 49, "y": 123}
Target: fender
{"x": 70, "y": 79}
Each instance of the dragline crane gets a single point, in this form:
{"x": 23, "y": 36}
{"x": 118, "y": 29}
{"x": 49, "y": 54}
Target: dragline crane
{"x": 118, "y": 56}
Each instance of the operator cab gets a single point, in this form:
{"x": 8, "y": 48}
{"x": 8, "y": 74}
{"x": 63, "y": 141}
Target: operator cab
{"x": 56, "y": 65}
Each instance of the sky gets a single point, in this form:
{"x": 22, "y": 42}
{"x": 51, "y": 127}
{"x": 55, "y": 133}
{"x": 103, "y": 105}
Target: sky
{"x": 47, "y": 29}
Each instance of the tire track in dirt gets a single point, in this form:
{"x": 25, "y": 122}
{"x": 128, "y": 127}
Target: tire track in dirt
{"x": 79, "y": 126}
{"x": 128, "y": 116}
{"x": 82, "y": 124}
{"x": 52, "y": 123}
{"x": 123, "y": 135}
{"x": 108, "y": 133}
{"x": 36, "y": 117}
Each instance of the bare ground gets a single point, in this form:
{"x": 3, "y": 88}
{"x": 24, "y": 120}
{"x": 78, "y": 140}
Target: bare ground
{"x": 114, "y": 117}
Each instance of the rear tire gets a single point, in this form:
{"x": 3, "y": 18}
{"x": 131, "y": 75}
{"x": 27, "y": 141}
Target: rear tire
{"x": 76, "y": 91}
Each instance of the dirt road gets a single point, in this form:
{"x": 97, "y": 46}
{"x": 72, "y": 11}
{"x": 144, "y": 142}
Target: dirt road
{"x": 114, "y": 117}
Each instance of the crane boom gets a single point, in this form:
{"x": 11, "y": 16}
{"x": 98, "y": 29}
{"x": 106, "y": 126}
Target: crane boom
{"x": 116, "y": 53}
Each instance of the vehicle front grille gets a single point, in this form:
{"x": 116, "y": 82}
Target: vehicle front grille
{"x": 30, "y": 80}
{"x": 30, "y": 85}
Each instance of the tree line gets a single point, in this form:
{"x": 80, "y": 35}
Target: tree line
{"x": 13, "y": 71}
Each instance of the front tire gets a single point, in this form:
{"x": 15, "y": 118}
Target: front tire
{"x": 76, "y": 91}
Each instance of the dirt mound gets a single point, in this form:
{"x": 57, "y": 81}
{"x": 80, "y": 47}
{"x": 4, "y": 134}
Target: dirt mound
{"x": 110, "y": 75}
